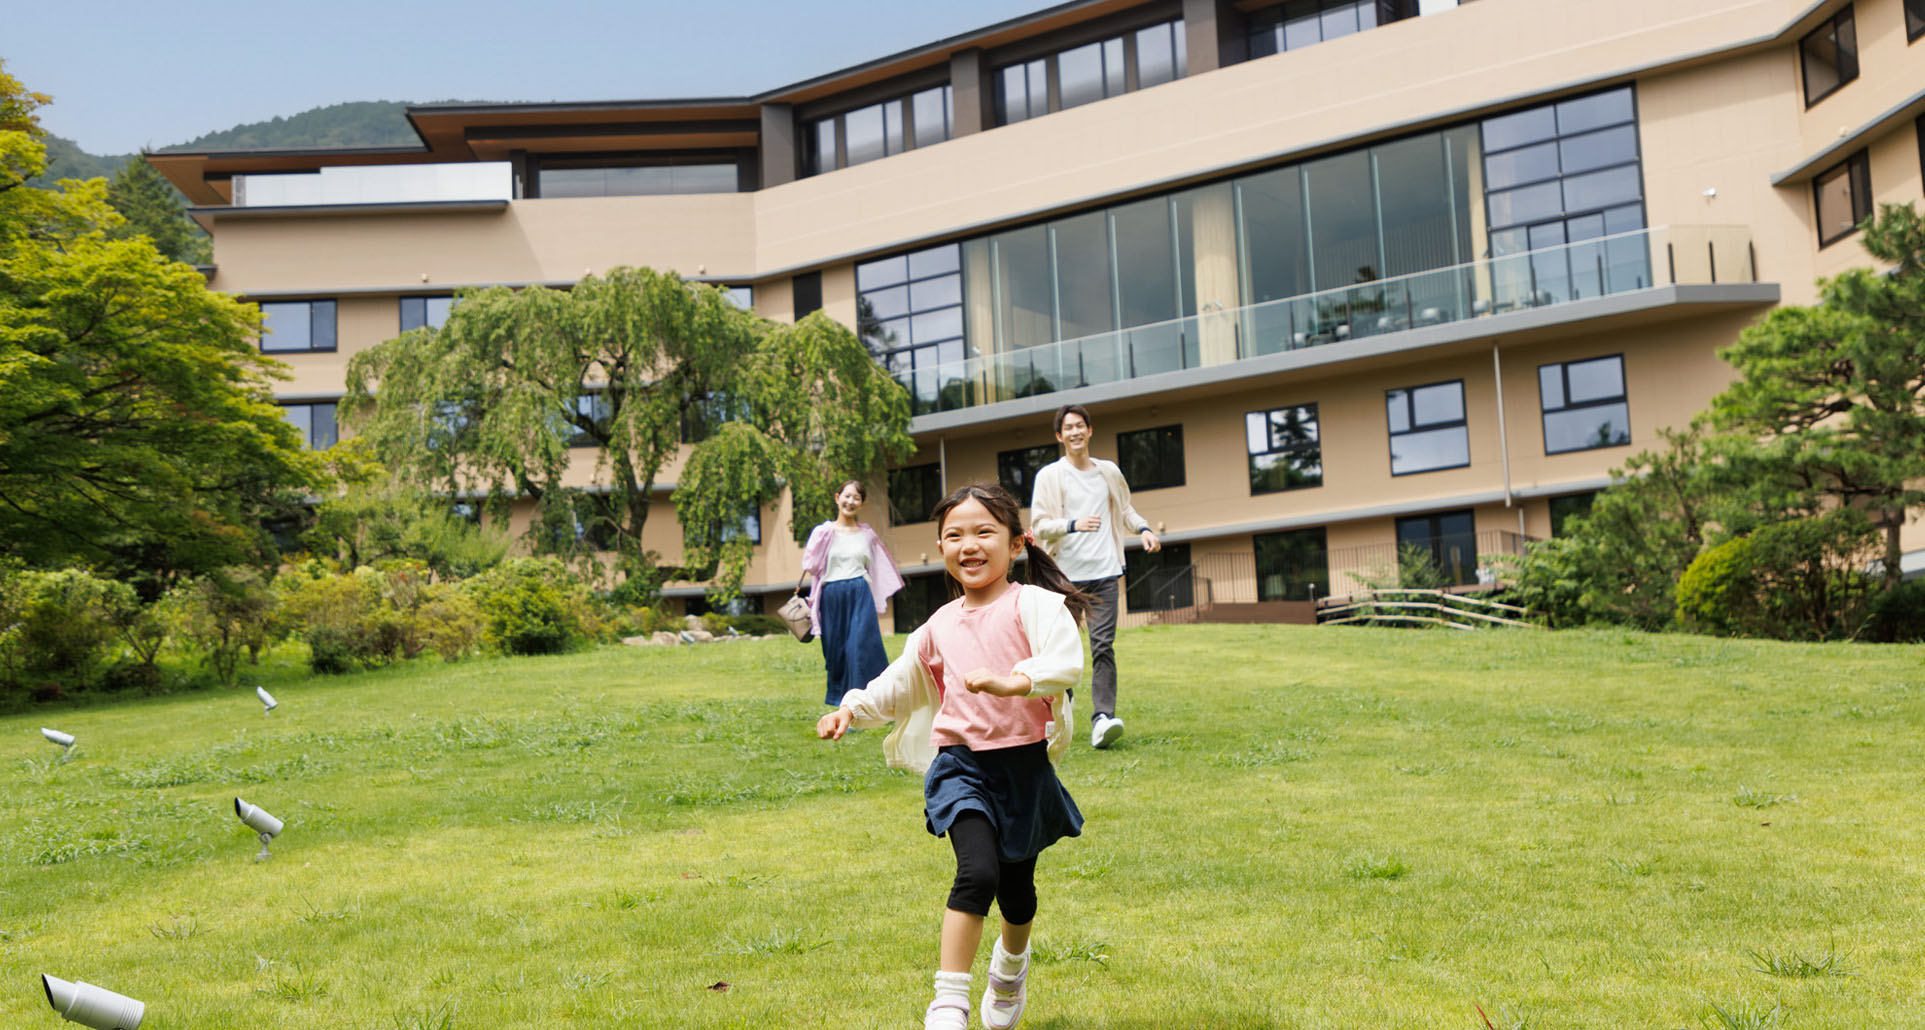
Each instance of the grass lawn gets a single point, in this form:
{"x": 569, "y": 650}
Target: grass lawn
{"x": 1302, "y": 828}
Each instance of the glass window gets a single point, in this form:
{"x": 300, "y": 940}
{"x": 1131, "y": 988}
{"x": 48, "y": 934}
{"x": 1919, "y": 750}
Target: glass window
{"x": 1145, "y": 262}
{"x": 1016, "y": 470}
{"x": 593, "y": 406}
{"x": 1343, "y": 223}
{"x": 914, "y": 492}
{"x": 1292, "y": 565}
{"x": 298, "y": 325}
{"x": 1151, "y": 459}
{"x": 918, "y": 599}
{"x": 1025, "y": 310}
{"x": 1024, "y": 89}
{"x": 1081, "y": 247}
{"x": 431, "y": 312}
{"x": 1534, "y": 163}
{"x": 1156, "y": 49}
{"x": 1844, "y": 198}
{"x": 822, "y": 147}
{"x": 315, "y": 423}
{"x": 741, "y": 296}
{"x": 1516, "y": 130}
{"x": 1600, "y": 189}
{"x": 1090, "y": 71}
{"x": 930, "y": 111}
{"x": 909, "y": 313}
{"x": 1829, "y": 56}
{"x": 862, "y": 135}
{"x": 632, "y": 180}
{"x": 1160, "y": 581}
{"x": 1595, "y": 111}
{"x": 1568, "y": 507}
{"x": 1285, "y": 449}
{"x": 1584, "y": 405}
{"x": 1914, "y": 19}
{"x": 1600, "y": 149}
{"x": 1427, "y": 428}
{"x": 1447, "y": 541}
{"x": 750, "y": 526}
{"x": 1079, "y": 75}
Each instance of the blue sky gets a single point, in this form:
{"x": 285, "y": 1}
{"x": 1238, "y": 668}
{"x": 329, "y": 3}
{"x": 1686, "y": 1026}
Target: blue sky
{"x": 127, "y": 74}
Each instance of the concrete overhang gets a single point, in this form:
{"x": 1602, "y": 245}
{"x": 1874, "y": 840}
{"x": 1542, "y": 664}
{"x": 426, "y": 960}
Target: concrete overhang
{"x": 1615, "y": 312}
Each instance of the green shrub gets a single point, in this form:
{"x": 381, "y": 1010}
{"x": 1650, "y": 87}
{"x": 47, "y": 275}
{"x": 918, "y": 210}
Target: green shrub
{"x": 448, "y": 622}
{"x": 759, "y": 625}
{"x": 224, "y": 616}
{"x": 355, "y": 620}
{"x": 529, "y": 606}
{"x": 645, "y": 619}
{"x": 57, "y": 630}
{"x": 1898, "y": 614}
{"x": 1802, "y": 579}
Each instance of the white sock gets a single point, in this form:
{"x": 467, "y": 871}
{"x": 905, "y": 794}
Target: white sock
{"x": 1006, "y": 965}
{"x": 953, "y": 985}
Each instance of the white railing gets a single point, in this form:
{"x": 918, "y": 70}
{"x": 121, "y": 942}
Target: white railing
{"x": 1484, "y": 288}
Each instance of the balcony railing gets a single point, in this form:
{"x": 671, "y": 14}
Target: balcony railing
{"x": 1525, "y": 281}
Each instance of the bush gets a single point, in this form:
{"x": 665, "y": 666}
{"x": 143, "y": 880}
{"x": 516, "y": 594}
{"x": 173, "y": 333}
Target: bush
{"x": 1801, "y": 579}
{"x": 56, "y": 629}
{"x": 449, "y": 622}
{"x": 1898, "y": 614}
{"x": 529, "y": 606}
{"x": 760, "y": 625}
{"x": 223, "y": 616}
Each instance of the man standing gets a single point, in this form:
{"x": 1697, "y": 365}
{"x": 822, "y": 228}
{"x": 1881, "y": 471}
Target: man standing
{"x": 1079, "y": 511}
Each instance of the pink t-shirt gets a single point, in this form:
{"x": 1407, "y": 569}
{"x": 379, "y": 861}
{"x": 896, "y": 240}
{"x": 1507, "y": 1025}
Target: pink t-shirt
{"x": 959, "y": 640}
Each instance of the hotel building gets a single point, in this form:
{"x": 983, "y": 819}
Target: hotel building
{"x": 1330, "y": 275}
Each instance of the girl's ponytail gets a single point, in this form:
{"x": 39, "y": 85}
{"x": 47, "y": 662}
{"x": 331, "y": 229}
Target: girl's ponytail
{"x": 1045, "y": 573}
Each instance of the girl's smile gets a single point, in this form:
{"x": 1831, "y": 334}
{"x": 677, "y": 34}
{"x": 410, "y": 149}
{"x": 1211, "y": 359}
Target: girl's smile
{"x": 977, "y": 550}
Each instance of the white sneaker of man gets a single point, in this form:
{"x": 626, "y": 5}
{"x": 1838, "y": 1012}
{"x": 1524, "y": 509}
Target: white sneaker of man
{"x": 1104, "y": 731}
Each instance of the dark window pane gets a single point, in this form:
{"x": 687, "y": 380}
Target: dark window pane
{"x": 1113, "y": 75}
{"x": 324, "y": 434}
{"x": 914, "y": 493}
{"x": 1287, "y": 470}
{"x": 824, "y": 147}
{"x": 807, "y": 288}
{"x": 1160, "y": 581}
{"x": 1151, "y": 459}
{"x": 1343, "y": 226}
{"x": 1841, "y": 201}
{"x": 1145, "y": 262}
{"x": 1568, "y": 507}
{"x": 1829, "y": 55}
{"x": 1292, "y": 566}
{"x": 1914, "y": 19}
{"x": 1025, "y": 311}
{"x": 1016, "y": 470}
{"x": 918, "y": 599}
{"x": 414, "y": 313}
{"x": 1448, "y": 541}
{"x": 1418, "y": 205}
{"x": 1271, "y": 204}
{"x": 1592, "y": 112}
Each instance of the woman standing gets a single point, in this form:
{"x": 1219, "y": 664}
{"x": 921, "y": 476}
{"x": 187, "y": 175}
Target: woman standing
{"x": 853, "y": 576}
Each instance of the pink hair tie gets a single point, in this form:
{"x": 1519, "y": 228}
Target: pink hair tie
{"x": 1029, "y": 538}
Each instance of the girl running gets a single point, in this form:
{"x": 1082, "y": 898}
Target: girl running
{"x": 978, "y": 703}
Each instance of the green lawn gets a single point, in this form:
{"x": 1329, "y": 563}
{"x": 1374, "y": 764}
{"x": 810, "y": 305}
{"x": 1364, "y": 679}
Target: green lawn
{"x": 1302, "y": 828}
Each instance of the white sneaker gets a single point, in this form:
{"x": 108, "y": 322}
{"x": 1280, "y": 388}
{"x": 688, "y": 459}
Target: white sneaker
{"x": 1003, "y": 1000}
{"x": 1105, "y": 730}
{"x": 946, "y": 1014}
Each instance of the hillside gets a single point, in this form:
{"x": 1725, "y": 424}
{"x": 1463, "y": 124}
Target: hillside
{"x": 362, "y": 123}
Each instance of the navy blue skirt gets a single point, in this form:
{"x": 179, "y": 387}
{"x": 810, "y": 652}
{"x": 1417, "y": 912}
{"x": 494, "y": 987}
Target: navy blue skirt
{"x": 851, "y": 640}
{"x": 1015, "y": 787}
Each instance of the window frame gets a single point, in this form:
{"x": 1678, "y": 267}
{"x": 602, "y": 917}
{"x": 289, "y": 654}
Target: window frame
{"x": 1545, "y": 411}
{"x": 1125, "y": 34}
{"x": 1914, "y": 20}
{"x": 1857, "y": 171}
{"x": 1160, "y": 444}
{"x": 314, "y": 307}
{"x": 1137, "y": 585}
{"x": 896, "y": 475}
{"x": 402, "y": 304}
{"x": 1256, "y": 551}
{"x": 334, "y": 419}
{"x": 1843, "y": 18}
{"x": 1316, "y": 418}
{"x": 1004, "y": 459}
{"x": 1410, "y": 411}
{"x": 815, "y": 162}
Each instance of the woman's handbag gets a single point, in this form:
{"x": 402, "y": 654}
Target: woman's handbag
{"x": 795, "y": 612}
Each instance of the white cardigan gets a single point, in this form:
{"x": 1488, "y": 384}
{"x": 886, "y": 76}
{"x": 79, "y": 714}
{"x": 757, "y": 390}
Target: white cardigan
{"x": 906, "y": 694}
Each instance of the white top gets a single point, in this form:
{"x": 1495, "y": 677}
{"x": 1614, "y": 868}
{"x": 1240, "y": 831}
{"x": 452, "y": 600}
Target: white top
{"x": 1086, "y": 556}
{"x": 848, "y": 556}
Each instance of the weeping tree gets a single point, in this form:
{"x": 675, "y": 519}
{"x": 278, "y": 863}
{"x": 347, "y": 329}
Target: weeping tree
{"x": 512, "y": 394}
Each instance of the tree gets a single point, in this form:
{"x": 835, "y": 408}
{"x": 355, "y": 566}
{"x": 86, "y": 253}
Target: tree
{"x": 154, "y": 209}
{"x": 506, "y": 397}
{"x": 1834, "y": 394}
{"x": 138, "y": 432}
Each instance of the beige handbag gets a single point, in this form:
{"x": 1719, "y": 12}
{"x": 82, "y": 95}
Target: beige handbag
{"x": 795, "y": 612}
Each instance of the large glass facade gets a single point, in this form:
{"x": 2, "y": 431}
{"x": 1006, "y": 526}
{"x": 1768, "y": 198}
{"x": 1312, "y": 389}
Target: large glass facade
{"x": 644, "y": 177}
{"x": 1535, "y": 206}
{"x": 909, "y": 312}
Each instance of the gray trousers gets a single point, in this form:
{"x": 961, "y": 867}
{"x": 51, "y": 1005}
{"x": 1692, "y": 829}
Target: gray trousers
{"x": 1102, "y": 640}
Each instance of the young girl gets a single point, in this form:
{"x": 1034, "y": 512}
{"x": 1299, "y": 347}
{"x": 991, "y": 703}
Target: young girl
{"x": 979, "y": 706}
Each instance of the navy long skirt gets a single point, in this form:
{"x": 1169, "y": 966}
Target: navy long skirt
{"x": 851, "y": 640}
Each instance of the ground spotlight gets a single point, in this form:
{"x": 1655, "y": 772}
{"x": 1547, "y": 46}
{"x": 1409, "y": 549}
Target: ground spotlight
{"x": 268, "y": 703}
{"x": 91, "y": 1006}
{"x": 258, "y": 820}
{"x": 64, "y": 740}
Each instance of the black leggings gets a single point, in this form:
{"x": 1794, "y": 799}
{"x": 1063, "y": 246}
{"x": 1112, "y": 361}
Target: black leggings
{"x": 982, "y": 876}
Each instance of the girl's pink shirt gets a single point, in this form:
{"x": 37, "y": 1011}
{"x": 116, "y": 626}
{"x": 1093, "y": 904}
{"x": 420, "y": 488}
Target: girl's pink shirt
{"x": 960, "y": 640}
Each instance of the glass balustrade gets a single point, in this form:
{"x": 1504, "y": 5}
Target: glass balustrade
{"x": 1499, "y": 285}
